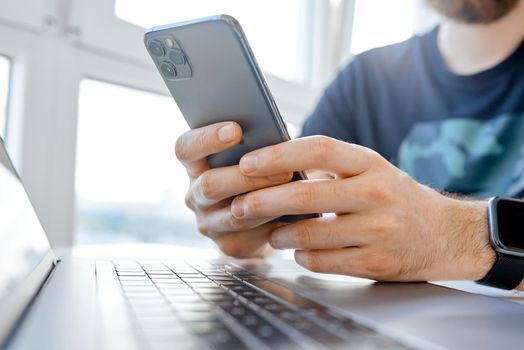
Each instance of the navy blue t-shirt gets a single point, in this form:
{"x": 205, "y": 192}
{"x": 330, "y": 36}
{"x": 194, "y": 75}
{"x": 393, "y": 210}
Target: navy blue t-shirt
{"x": 462, "y": 134}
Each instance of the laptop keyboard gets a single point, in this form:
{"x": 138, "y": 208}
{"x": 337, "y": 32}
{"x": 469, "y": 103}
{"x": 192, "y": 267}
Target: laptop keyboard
{"x": 178, "y": 305}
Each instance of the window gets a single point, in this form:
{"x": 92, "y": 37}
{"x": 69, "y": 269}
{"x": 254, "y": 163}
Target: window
{"x": 129, "y": 185}
{"x": 4, "y": 93}
{"x": 381, "y": 22}
{"x": 278, "y": 37}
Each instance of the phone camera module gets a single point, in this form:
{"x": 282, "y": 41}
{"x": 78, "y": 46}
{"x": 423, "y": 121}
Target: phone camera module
{"x": 168, "y": 70}
{"x": 177, "y": 57}
{"x": 156, "y": 48}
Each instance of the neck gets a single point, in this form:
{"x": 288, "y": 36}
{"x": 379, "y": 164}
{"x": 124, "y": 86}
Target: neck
{"x": 472, "y": 48}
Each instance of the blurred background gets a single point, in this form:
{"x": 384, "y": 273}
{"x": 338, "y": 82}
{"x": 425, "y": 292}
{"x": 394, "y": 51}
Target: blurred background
{"x": 91, "y": 127}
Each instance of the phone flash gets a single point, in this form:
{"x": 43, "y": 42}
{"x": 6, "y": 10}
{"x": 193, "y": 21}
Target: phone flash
{"x": 169, "y": 43}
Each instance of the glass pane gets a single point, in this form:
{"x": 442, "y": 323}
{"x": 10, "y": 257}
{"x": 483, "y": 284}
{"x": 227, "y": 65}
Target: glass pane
{"x": 129, "y": 185}
{"x": 275, "y": 28}
{"x": 4, "y": 93}
{"x": 381, "y": 22}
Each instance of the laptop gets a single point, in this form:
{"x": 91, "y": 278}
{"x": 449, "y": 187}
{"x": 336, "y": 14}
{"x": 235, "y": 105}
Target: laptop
{"x": 64, "y": 301}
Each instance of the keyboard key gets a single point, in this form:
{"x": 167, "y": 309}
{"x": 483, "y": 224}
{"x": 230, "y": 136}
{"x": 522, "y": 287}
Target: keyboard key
{"x": 148, "y": 303}
{"x": 189, "y": 275}
{"x": 197, "y": 316}
{"x": 176, "y": 299}
{"x": 274, "y": 307}
{"x": 153, "y": 295}
{"x": 202, "y": 307}
{"x": 136, "y": 283}
{"x": 200, "y": 284}
{"x": 264, "y": 331}
{"x": 152, "y": 321}
{"x": 175, "y": 291}
{"x": 163, "y": 282}
{"x": 152, "y": 312}
{"x": 178, "y": 332}
{"x": 228, "y": 303}
{"x": 205, "y": 326}
{"x": 170, "y": 286}
{"x": 262, "y": 300}
{"x": 133, "y": 278}
{"x": 222, "y": 339}
{"x": 250, "y": 320}
{"x": 131, "y": 273}
{"x": 178, "y": 344}
{"x": 237, "y": 311}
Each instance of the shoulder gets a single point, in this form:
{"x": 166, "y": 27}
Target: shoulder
{"x": 392, "y": 60}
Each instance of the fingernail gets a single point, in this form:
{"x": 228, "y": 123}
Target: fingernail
{"x": 278, "y": 178}
{"x": 248, "y": 164}
{"x": 237, "y": 208}
{"x": 226, "y": 133}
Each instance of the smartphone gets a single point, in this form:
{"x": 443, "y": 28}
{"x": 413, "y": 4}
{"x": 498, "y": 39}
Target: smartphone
{"x": 211, "y": 72}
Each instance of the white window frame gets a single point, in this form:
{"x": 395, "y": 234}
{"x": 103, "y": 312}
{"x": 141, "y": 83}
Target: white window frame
{"x": 27, "y": 14}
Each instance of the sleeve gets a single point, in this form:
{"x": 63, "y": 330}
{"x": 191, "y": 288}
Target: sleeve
{"x": 333, "y": 116}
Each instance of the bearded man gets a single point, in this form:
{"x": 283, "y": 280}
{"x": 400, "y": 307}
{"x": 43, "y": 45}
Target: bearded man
{"x": 402, "y": 127}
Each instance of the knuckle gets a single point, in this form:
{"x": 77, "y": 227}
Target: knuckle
{"x": 232, "y": 222}
{"x": 379, "y": 191}
{"x": 322, "y": 145}
{"x": 381, "y": 228}
{"x": 202, "y": 139}
{"x": 253, "y": 203}
{"x": 375, "y": 158}
{"x": 248, "y": 182}
{"x": 188, "y": 200}
{"x": 376, "y": 264}
{"x": 194, "y": 170}
{"x": 207, "y": 185}
{"x": 302, "y": 236}
{"x": 312, "y": 262}
{"x": 274, "y": 155}
{"x": 180, "y": 148}
{"x": 303, "y": 196}
{"x": 203, "y": 228}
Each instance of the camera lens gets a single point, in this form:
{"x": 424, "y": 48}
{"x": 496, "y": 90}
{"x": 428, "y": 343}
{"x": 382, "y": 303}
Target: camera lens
{"x": 168, "y": 70}
{"x": 156, "y": 48}
{"x": 177, "y": 56}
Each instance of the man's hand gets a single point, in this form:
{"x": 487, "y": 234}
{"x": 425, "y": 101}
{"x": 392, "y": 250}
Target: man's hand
{"x": 387, "y": 226}
{"x": 211, "y": 191}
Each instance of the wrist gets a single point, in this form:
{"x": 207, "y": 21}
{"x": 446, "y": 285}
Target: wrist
{"x": 473, "y": 256}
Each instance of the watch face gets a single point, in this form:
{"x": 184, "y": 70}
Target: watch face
{"x": 510, "y": 218}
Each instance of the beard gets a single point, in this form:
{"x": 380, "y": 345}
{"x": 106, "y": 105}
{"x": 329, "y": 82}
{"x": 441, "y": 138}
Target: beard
{"x": 473, "y": 11}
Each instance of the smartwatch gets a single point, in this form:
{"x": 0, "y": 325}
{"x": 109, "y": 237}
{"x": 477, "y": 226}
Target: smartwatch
{"x": 506, "y": 233}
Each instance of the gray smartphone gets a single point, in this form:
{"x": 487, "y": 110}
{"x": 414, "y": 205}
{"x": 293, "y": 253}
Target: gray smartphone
{"x": 211, "y": 72}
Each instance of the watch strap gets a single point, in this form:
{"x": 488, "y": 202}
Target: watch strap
{"x": 506, "y": 273}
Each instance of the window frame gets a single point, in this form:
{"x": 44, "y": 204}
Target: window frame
{"x": 28, "y": 14}
{"x": 8, "y": 97}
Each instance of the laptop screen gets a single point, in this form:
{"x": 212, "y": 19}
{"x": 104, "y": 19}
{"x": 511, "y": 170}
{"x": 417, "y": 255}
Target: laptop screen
{"x": 23, "y": 243}
{"x": 25, "y": 254}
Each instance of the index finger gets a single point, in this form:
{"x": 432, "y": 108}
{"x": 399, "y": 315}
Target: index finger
{"x": 308, "y": 153}
{"x": 197, "y": 144}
